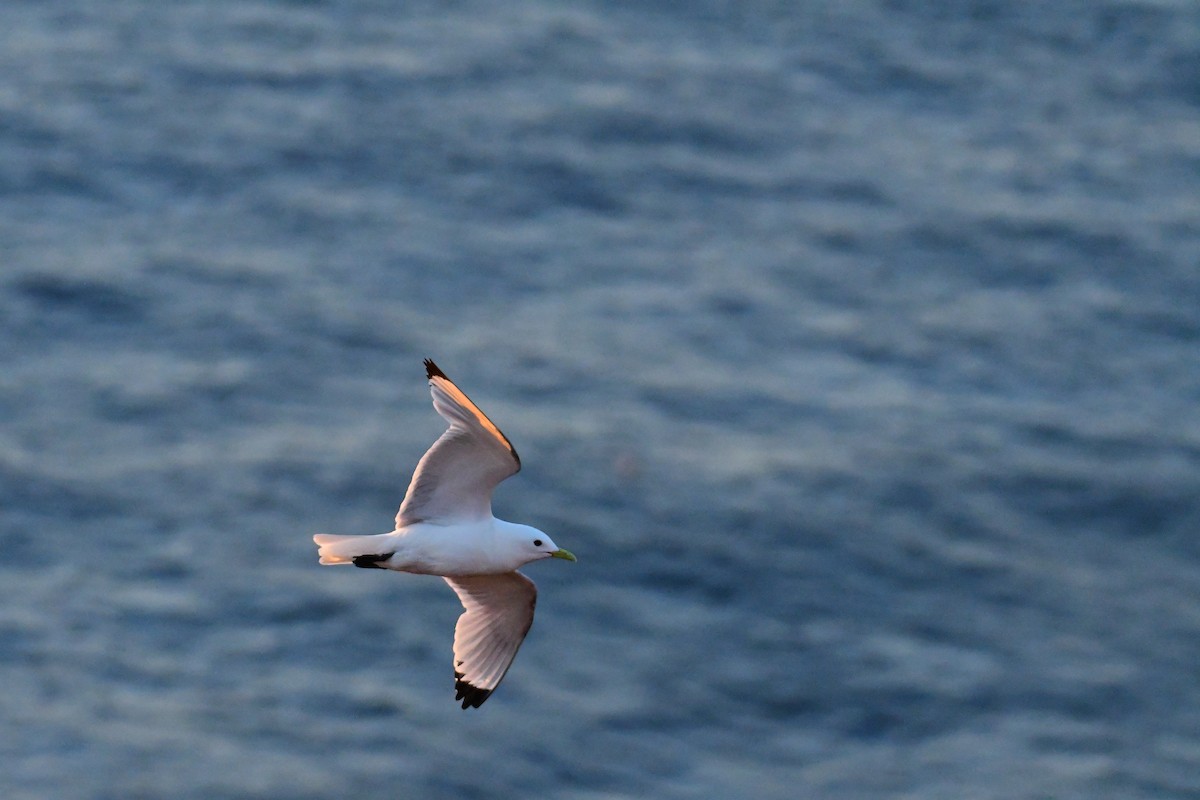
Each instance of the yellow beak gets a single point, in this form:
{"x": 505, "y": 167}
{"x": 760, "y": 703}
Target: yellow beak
{"x": 566, "y": 555}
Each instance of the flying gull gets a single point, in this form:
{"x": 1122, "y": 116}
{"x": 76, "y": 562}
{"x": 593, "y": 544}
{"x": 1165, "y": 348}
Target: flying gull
{"x": 445, "y": 527}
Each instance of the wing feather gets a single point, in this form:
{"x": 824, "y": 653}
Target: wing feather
{"x": 455, "y": 478}
{"x": 497, "y": 614}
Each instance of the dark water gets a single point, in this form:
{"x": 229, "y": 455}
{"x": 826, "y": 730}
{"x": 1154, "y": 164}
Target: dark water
{"x": 853, "y": 347}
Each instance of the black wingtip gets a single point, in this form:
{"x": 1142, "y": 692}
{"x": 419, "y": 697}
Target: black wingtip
{"x": 471, "y": 696}
{"x": 371, "y": 561}
{"x": 432, "y": 371}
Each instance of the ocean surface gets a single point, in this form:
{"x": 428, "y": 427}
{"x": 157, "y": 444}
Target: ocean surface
{"x": 854, "y": 348}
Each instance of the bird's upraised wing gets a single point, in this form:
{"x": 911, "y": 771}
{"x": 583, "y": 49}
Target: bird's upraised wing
{"x": 455, "y": 478}
{"x": 498, "y": 611}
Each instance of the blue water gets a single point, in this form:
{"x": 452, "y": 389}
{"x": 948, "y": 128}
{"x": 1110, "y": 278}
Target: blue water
{"x": 852, "y": 347}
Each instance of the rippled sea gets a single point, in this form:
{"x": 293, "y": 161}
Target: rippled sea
{"x": 854, "y": 348}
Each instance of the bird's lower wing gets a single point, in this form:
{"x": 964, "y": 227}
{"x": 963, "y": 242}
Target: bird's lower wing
{"x": 498, "y": 611}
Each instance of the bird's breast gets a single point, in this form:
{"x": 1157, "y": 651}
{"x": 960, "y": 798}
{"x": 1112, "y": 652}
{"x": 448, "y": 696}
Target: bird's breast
{"x": 450, "y": 550}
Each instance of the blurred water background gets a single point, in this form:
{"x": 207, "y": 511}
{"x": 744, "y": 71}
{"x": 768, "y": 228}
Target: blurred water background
{"x": 852, "y": 347}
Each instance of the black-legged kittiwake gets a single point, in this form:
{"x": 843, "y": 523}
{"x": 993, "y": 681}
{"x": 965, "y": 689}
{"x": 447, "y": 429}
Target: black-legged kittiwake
{"x": 445, "y": 527}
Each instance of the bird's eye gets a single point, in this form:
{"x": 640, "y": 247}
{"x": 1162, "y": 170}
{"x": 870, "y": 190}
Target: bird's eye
{"x": 537, "y": 542}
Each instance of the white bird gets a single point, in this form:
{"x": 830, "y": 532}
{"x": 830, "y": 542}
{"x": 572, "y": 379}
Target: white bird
{"x": 445, "y": 527}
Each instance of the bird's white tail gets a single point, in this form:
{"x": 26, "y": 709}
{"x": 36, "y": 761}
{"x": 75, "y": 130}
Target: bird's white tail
{"x": 334, "y": 549}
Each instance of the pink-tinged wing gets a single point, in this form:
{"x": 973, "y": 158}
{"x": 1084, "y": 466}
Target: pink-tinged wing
{"x": 455, "y": 478}
{"x": 498, "y": 611}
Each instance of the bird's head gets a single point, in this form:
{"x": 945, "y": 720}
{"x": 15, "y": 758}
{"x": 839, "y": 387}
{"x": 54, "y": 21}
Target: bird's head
{"x": 534, "y": 545}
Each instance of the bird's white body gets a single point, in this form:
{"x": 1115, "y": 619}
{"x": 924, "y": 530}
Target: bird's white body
{"x": 473, "y": 547}
{"x": 445, "y": 527}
